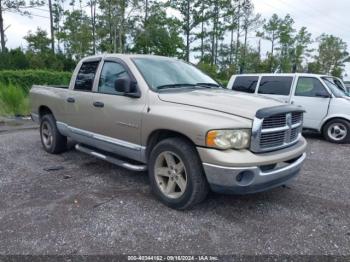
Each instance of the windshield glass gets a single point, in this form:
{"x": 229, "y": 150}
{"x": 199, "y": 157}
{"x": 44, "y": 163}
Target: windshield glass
{"x": 164, "y": 73}
{"x": 335, "y": 86}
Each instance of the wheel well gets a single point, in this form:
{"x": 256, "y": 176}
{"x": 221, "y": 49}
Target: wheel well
{"x": 331, "y": 119}
{"x": 44, "y": 110}
{"x": 159, "y": 135}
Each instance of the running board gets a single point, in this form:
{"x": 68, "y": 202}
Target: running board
{"x": 110, "y": 159}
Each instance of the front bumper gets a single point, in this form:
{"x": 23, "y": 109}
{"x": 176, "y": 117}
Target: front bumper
{"x": 261, "y": 176}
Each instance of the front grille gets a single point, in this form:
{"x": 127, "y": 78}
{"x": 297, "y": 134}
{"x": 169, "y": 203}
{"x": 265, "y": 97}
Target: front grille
{"x": 275, "y": 121}
{"x": 271, "y": 139}
{"x": 297, "y": 118}
{"x": 276, "y": 131}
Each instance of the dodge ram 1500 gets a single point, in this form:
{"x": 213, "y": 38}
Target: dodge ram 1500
{"x": 163, "y": 115}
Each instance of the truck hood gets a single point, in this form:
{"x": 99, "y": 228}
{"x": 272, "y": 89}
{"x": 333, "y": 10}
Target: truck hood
{"x": 222, "y": 100}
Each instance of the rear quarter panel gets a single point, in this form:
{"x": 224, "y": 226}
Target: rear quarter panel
{"x": 50, "y": 97}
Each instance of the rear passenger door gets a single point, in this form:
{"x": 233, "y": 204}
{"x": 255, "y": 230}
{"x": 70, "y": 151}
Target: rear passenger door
{"x": 79, "y": 100}
{"x": 246, "y": 84}
{"x": 314, "y": 98}
{"x": 278, "y": 87}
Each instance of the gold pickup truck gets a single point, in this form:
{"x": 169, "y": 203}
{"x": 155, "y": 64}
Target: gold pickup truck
{"x": 163, "y": 115}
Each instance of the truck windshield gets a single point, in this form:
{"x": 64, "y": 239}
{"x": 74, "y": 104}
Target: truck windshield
{"x": 335, "y": 86}
{"x": 166, "y": 73}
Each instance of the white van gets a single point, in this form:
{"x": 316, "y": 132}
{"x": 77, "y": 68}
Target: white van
{"x": 323, "y": 97}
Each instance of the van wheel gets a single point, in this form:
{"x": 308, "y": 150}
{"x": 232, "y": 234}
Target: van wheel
{"x": 176, "y": 174}
{"x": 337, "y": 131}
{"x": 51, "y": 139}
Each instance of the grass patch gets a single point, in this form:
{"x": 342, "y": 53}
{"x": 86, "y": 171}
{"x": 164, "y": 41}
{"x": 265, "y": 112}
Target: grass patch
{"x": 26, "y": 78}
{"x": 13, "y": 101}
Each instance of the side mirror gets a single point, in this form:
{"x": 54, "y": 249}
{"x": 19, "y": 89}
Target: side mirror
{"x": 122, "y": 85}
{"x": 127, "y": 87}
{"x": 322, "y": 94}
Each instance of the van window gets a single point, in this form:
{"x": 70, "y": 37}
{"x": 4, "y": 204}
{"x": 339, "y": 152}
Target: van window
{"x": 86, "y": 76}
{"x": 275, "y": 85}
{"x": 310, "y": 87}
{"x": 245, "y": 84}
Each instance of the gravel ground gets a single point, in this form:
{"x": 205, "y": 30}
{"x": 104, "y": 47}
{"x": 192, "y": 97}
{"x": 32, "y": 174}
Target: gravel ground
{"x": 75, "y": 204}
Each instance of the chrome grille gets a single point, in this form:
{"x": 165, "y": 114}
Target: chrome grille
{"x": 275, "y": 121}
{"x": 297, "y": 118}
{"x": 276, "y": 131}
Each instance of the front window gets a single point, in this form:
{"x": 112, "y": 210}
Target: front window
{"x": 335, "y": 86}
{"x": 164, "y": 73}
{"x": 111, "y": 71}
{"x": 310, "y": 87}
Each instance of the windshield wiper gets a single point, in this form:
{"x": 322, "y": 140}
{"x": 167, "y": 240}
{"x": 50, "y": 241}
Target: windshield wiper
{"x": 208, "y": 85}
{"x": 187, "y": 85}
{"x": 174, "y": 86}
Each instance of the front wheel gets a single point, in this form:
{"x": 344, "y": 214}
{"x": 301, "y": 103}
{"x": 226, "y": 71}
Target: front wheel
{"x": 337, "y": 131}
{"x": 176, "y": 174}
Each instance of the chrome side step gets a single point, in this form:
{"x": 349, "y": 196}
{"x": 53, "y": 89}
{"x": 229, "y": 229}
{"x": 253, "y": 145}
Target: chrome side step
{"x": 110, "y": 159}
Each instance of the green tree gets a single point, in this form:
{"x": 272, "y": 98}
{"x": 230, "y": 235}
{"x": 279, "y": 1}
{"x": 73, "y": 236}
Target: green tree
{"x": 271, "y": 33}
{"x": 14, "y": 59}
{"x": 76, "y": 34}
{"x": 250, "y": 22}
{"x": 191, "y": 19}
{"x": 160, "y": 34}
{"x": 301, "y": 50}
{"x": 14, "y": 6}
{"x": 57, "y": 12}
{"x": 332, "y": 52}
{"x": 38, "y": 42}
{"x": 233, "y": 15}
{"x": 203, "y": 19}
{"x": 286, "y": 41}
{"x": 115, "y": 23}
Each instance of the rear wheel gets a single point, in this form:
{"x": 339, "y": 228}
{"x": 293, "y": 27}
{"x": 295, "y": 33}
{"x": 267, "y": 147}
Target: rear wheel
{"x": 51, "y": 139}
{"x": 176, "y": 174}
{"x": 337, "y": 131}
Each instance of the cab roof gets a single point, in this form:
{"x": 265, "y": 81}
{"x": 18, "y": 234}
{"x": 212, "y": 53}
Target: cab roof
{"x": 101, "y": 56}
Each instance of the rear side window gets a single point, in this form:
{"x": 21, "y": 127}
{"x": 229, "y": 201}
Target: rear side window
{"x": 245, "y": 84}
{"x": 310, "y": 87}
{"x": 86, "y": 76}
{"x": 275, "y": 85}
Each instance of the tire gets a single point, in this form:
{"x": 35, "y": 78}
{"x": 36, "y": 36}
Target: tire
{"x": 51, "y": 139}
{"x": 193, "y": 190}
{"x": 337, "y": 131}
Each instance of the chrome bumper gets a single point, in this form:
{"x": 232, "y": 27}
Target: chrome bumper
{"x": 246, "y": 180}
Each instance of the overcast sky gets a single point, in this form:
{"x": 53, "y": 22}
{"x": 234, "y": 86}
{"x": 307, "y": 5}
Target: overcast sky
{"x": 319, "y": 16}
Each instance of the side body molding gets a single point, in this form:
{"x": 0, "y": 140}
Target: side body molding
{"x": 109, "y": 144}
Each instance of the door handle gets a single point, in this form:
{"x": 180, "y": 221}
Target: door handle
{"x": 292, "y": 102}
{"x": 98, "y": 104}
{"x": 70, "y": 100}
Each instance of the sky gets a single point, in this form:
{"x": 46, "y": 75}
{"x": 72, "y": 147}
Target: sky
{"x": 319, "y": 16}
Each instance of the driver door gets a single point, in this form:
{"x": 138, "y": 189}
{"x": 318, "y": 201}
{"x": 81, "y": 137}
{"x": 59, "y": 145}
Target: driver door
{"x": 118, "y": 117}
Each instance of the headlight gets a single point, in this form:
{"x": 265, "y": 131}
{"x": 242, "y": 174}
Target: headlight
{"x": 225, "y": 139}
